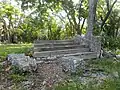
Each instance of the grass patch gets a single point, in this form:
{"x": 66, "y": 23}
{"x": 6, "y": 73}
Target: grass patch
{"x": 108, "y": 65}
{"x": 69, "y": 85}
{"x": 17, "y": 78}
{"x": 6, "y": 49}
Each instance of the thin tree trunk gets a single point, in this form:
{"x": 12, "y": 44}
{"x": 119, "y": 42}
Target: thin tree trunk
{"x": 108, "y": 5}
{"x": 78, "y": 28}
{"x": 5, "y": 30}
{"x": 82, "y": 25}
{"x": 71, "y": 24}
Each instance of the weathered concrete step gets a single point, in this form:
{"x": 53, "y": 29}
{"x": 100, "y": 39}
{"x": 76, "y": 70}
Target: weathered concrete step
{"x": 53, "y": 44}
{"x": 84, "y": 55}
{"x": 81, "y": 55}
{"x": 52, "y": 41}
{"x": 59, "y": 52}
{"x": 49, "y": 48}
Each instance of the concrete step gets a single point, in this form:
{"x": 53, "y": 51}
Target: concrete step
{"x": 81, "y": 55}
{"x": 49, "y": 48}
{"x": 53, "y": 44}
{"x": 84, "y": 55}
{"x": 52, "y": 41}
{"x": 59, "y": 52}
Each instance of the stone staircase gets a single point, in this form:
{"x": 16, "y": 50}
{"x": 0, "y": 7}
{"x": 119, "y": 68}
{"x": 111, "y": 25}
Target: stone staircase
{"x": 59, "y": 48}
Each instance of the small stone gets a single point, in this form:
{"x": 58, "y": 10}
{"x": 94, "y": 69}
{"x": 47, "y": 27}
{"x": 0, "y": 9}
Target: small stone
{"x": 44, "y": 82}
{"x": 118, "y": 56}
{"x": 27, "y": 83}
{"x": 10, "y": 88}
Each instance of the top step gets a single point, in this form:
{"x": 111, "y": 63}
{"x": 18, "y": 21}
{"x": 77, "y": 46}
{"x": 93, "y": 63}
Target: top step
{"x": 52, "y": 41}
{"x": 53, "y": 44}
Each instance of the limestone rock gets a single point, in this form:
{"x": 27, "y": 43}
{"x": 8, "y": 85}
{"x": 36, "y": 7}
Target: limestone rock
{"x": 23, "y": 62}
{"x": 70, "y": 64}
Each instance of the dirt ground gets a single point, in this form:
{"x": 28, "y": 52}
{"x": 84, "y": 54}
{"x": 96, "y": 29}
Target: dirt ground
{"x": 47, "y": 75}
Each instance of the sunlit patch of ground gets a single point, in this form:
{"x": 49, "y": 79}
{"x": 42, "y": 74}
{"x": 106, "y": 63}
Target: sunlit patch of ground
{"x": 6, "y": 49}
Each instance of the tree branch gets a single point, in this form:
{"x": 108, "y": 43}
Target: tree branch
{"x": 108, "y": 14}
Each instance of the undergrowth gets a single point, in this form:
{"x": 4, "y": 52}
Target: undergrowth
{"x": 109, "y": 66}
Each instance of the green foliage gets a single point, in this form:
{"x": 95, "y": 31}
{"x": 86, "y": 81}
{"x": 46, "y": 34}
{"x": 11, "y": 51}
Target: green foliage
{"x": 9, "y": 20}
{"x": 110, "y": 32}
{"x": 61, "y": 19}
{"x": 17, "y": 78}
{"x": 108, "y": 84}
{"x": 111, "y": 84}
{"x": 111, "y": 36}
{"x": 111, "y": 42}
{"x": 45, "y": 21}
{"x": 108, "y": 65}
{"x": 69, "y": 85}
{"x": 8, "y": 10}
{"x": 2, "y": 58}
{"x": 17, "y": 71}
{"x": 17, "y": 75}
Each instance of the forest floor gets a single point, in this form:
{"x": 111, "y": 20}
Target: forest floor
{"x": 97, "y": 74}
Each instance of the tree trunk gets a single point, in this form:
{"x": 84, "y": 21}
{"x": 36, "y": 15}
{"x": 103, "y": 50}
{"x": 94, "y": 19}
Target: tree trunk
{"x": 91, "y": 18}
